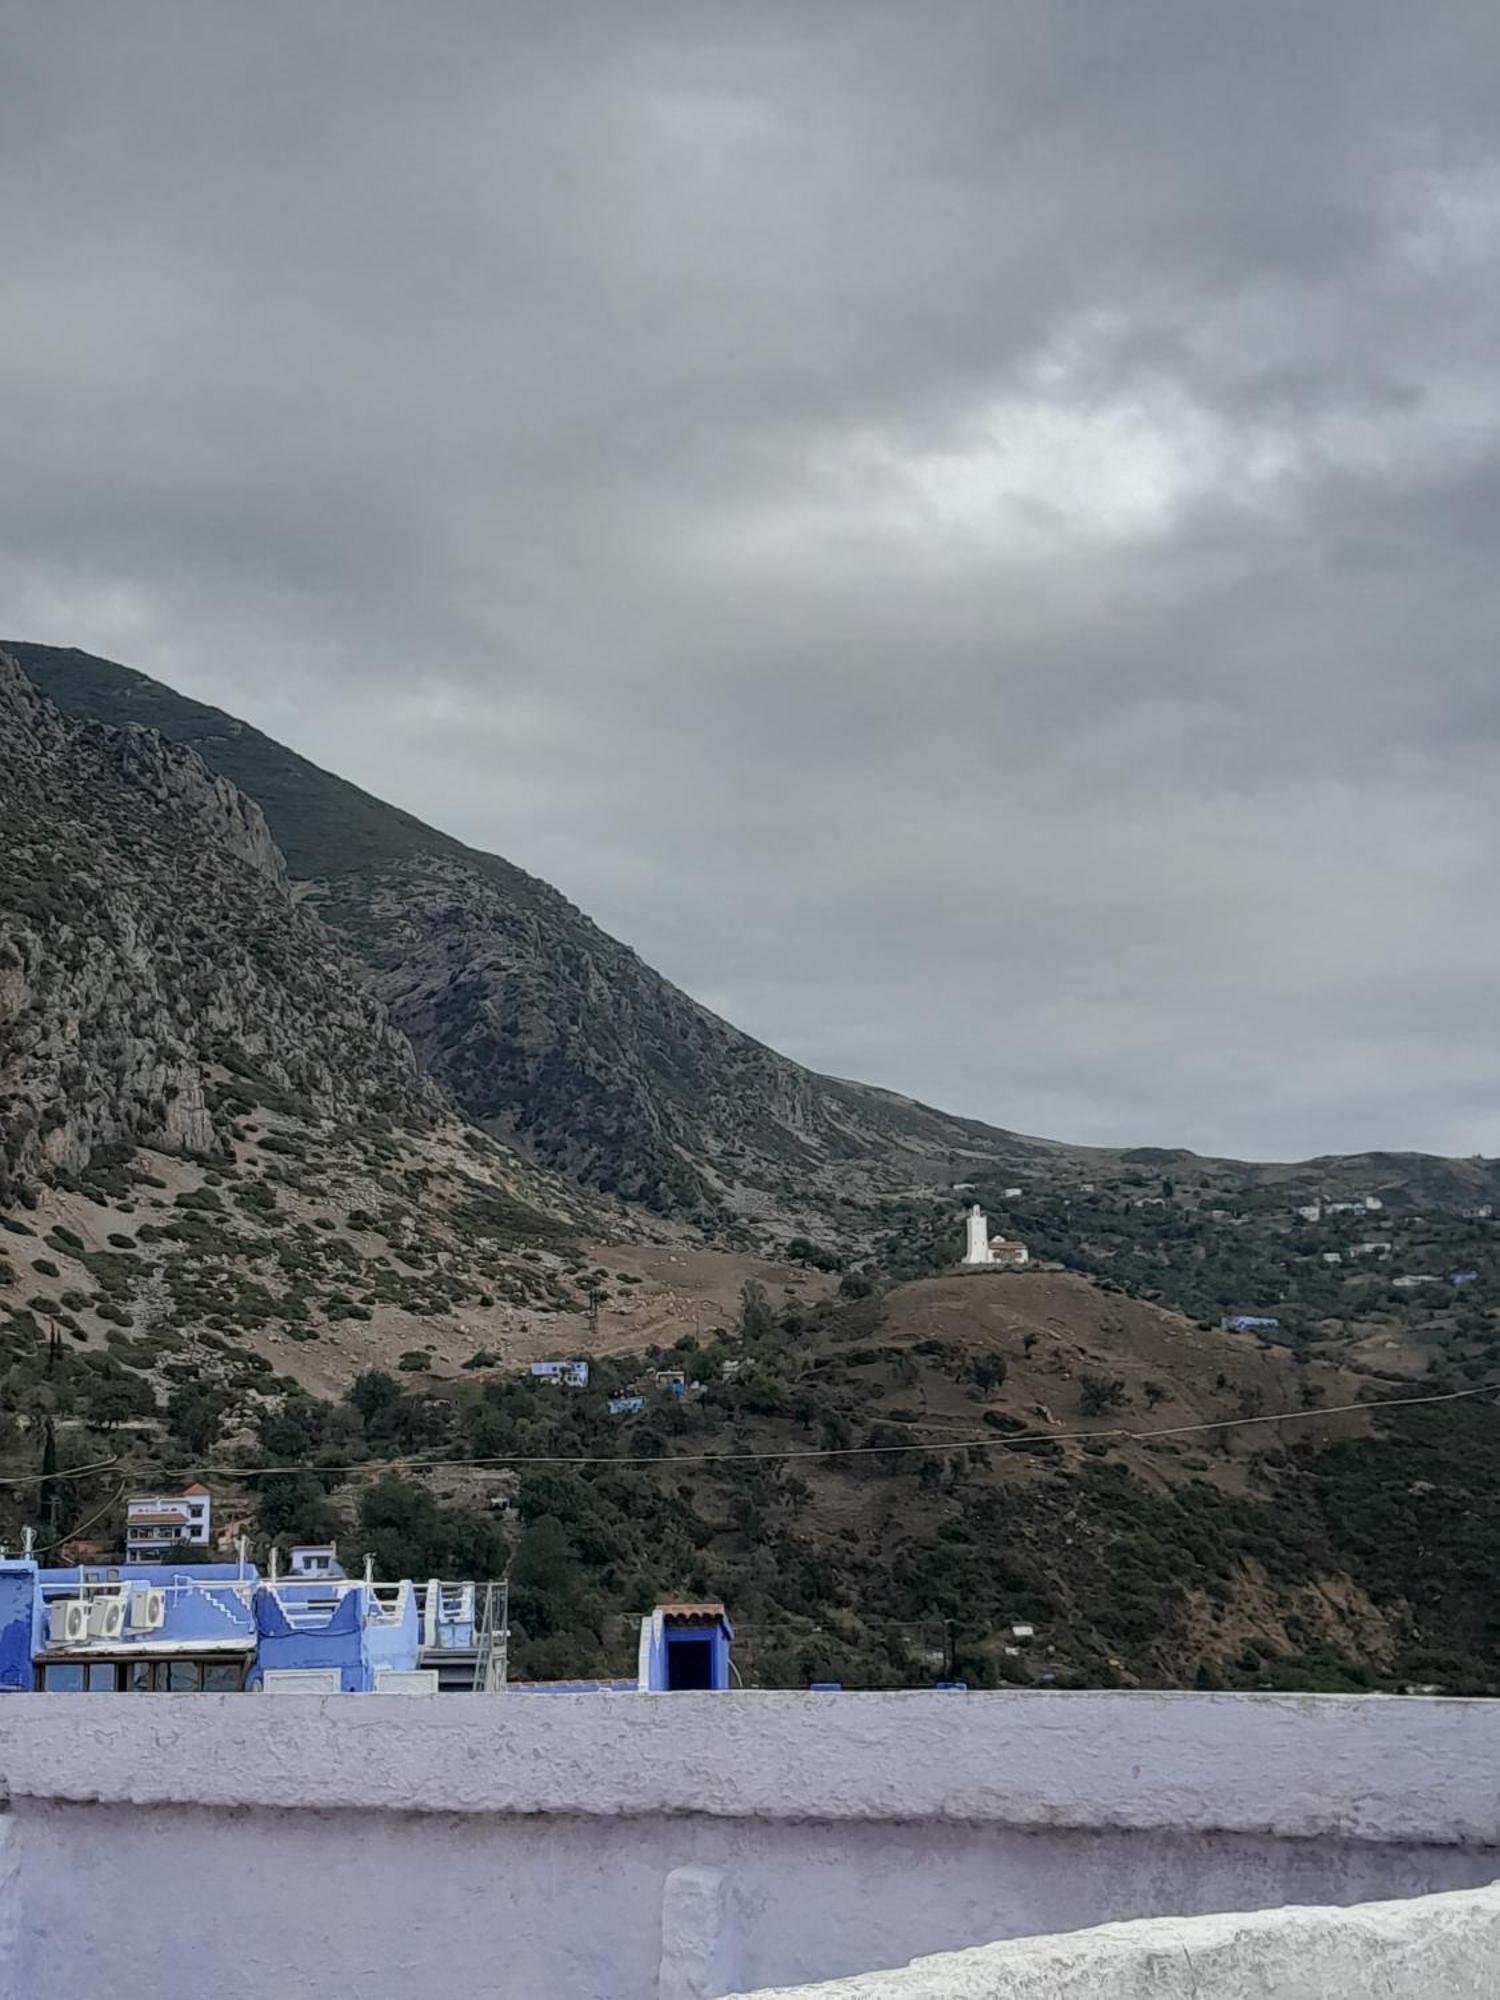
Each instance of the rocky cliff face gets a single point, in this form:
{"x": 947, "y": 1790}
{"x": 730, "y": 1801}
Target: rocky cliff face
{"x": 552, "y": 1035}
{"x": 150, "y": 950}
{"x": 546, "y": 1031}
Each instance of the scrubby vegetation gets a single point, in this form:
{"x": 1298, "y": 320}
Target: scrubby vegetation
{"x": 216, "y": 1148}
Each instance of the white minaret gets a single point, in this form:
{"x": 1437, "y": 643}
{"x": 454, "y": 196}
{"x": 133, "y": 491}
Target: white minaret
{"x": 978, "y": 1250}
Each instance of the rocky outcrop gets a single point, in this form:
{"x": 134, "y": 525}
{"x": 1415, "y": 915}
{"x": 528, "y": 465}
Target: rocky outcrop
{"x": 153, "y": 961}
{"x": 554, "y": 1036}
{"x": 181, "y": 783}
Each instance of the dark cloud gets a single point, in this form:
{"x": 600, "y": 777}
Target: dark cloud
{"x": 964, "y": 533}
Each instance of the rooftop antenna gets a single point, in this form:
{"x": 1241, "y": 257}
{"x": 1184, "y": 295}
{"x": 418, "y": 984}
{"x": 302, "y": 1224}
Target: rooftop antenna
{"x": 28, "y": 1542}
{"x": 274, "y": 1553}
{"x": 369, "y": 1569}
{"x": 241, "y": 1548}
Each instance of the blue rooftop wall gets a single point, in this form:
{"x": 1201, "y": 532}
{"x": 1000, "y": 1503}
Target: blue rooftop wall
{"x": 17, "y": 1614}
{"x": 395, "y": 1641}
{"x": 206, "y": 1603}
{"x": 573, "y": 1687}
{"x": 318, "y": 1625}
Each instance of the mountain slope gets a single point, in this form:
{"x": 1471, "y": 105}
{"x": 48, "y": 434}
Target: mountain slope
{"x": 544, "y": 1029}
{"x": 552, "y": 1035}
{"x": 209, "y": 1127}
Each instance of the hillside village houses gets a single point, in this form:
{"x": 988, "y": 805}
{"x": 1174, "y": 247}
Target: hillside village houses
{"x": 1367, "y": 1205}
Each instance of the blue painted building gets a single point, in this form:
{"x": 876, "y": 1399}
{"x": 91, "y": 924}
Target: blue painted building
{"x": 140, "y": 1628}
{"x": 17, "y": 1617}
{"x": 221, "y": 1628}
{"x": 342, "y": 1626}
{"x": 685, "y": 1648}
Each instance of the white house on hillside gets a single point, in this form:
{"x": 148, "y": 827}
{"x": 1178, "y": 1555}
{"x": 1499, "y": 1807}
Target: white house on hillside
{"x": 156, "y": 1524}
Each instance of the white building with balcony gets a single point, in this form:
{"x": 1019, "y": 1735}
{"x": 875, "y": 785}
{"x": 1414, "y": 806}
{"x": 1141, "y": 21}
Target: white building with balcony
{"x": 156, "y": 1523}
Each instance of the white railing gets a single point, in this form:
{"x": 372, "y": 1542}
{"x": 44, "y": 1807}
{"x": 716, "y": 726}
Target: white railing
{"x": 388, "y": 1602}
{"x": 307, "y": 1607}
{"x": 308, "y": 1604}
{"x": 448, "y": 1615}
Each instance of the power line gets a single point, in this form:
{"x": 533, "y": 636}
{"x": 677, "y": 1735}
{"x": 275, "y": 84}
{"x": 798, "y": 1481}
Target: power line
{"x": 989, "y": 1442}
{"x": 75, "y": 1531}
{"x": 668, "y": 1460}
{"x": 62, "y": 1472}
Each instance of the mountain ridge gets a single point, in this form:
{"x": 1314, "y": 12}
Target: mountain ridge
{"x": 558, "y": 1039}
{"x": 546, "y": 1030}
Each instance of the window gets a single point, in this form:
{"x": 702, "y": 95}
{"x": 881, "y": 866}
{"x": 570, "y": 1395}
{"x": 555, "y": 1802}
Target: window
{"x": 223, "y": 1679}
{"x": 79, "y": 1677}
{"x": 182, "y": 1677}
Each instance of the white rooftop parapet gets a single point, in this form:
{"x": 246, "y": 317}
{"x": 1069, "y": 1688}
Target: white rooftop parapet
{"x": 1428, "y": 1948}
{"x": 1362, "y": 1767}
{"x": 716, "y": 1843}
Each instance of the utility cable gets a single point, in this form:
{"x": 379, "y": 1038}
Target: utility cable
{"x": 989, "y": 1442}
{"x": 669, "y": 1460}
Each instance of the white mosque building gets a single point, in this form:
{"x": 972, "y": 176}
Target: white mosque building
{"x": 983, "y": 1252}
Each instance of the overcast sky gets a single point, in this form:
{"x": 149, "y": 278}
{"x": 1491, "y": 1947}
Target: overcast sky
{"x": 967, "y": 533}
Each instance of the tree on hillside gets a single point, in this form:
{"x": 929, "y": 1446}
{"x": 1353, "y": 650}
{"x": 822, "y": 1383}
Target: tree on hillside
{"x": 548, "y": 1596}
{"x": 373, "y": 1393}
{"x": 195, "y": 1414}
{"x": 757, "y": 1321}
{"x": 410, "y": 1534}
{"x": 294, "y": 1507}
{"x": 49, "y": 1496}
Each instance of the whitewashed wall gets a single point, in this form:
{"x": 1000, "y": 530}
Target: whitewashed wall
{"x": 675, "y": 1847}
{"x": 1431, "y": 1948}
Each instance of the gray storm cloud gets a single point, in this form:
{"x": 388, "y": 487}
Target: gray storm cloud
{"x": 966, "y": 534}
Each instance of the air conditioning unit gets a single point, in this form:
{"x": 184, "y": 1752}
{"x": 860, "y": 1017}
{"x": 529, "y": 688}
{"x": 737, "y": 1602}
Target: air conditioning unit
{"x": 69, "y": 1623}
{"x": 148, "y": 1610}
{"x": 107, "y": 1617}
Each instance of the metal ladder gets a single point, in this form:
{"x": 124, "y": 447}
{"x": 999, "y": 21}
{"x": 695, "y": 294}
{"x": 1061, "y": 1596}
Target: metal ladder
{"x": 492, "y": 1638}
